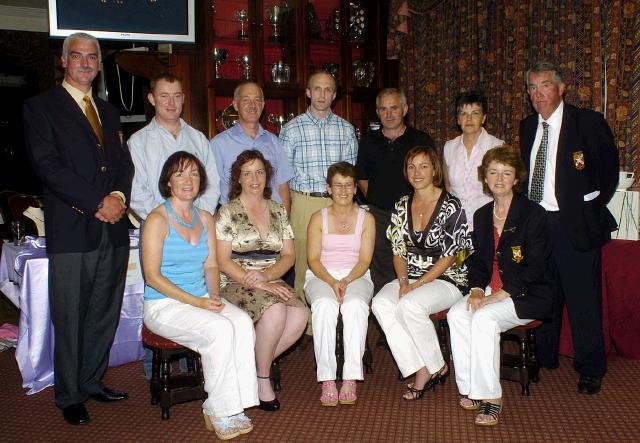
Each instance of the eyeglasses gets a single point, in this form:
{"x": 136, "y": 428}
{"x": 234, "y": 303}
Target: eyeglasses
{"x": 341, "y": 186}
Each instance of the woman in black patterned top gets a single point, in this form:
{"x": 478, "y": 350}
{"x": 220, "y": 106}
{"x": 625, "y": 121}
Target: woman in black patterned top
{"x": 428, "y": 228}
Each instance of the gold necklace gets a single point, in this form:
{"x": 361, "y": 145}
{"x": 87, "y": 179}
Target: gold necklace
{"x": 496, "y": 215}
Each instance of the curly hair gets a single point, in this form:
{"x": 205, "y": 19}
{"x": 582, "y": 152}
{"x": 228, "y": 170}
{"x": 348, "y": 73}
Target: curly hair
{"x": 507, "y": 156}
{"x": 245, "y": 157}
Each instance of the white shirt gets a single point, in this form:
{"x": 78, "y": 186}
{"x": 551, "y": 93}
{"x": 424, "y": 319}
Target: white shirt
{"x": 549, "y": 201}
{"x": 463, "y": 171}
{"x": 150, "y": 147}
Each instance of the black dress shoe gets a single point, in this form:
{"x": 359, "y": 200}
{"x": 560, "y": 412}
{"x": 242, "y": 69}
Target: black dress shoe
{"x": 270, "y": 406}
{"x": 108, "y": 395}
{"x": 76, "y": 414}
{"x": 589, "y": 384}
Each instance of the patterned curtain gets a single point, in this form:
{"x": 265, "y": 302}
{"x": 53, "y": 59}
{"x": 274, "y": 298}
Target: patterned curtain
{"x": 445, "y": 47}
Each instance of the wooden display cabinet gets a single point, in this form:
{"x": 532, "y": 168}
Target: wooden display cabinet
{"x": 311, "y": 34}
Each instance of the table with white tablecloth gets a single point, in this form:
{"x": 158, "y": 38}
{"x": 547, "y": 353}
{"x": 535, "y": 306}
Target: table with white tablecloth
{"x": 24, "y": 280}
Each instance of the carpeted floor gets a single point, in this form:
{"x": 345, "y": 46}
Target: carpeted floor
{"x": 554, "y": 411}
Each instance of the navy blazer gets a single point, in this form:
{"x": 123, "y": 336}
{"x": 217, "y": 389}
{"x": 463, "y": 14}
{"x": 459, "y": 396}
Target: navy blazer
{"x": 524, "y": 256}
{"x": 587, "y": 161}
{"x": 76, "y": 171}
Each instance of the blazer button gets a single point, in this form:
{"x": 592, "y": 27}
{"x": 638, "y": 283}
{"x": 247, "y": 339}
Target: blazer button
{"x": 498, "y": 254}
{"x": 500, "y": 271}
{"x": 103, "y": 169}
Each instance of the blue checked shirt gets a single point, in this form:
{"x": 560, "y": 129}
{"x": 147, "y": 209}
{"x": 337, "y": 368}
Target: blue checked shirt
{"x": 313, "y": 145}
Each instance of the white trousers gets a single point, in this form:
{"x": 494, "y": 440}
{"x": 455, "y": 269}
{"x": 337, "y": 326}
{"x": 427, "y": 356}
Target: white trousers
{"x": 475, "y": 346}
{"x": 324, "y": 318}
{"x": 225, "y": 342}
{"x": 405, "y": 321}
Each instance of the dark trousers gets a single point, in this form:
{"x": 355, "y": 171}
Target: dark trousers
{"x": 579, "y": 286}
{"x": 381, "y": 267}
{"x": 85, "y": 298}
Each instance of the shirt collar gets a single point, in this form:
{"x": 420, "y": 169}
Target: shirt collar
{"x": 315, "y": 120}
{"x": 238, "y": 130}
{"x": 155, "y": 125}
{"x": 77, "y": 94}
{"x": 555, "y": 119}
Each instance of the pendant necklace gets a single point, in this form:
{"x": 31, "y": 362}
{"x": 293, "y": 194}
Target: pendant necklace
{"x": 179, "y": 219}
{"x": 494, "y": 212}
{"x": 344, "y": 225}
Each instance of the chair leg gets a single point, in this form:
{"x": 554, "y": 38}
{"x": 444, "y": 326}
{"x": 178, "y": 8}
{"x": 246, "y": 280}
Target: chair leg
{"x": 443, "y": 335}
{"x": 534, "y": 368}
{"x": 524, "y": 357}
{"x": 165, "y": 394}
{"x": 367, "y": 358}
{"x": 154, "y": 383}
{"x": 339, "y": 348}
{"x": 275, "y": 375}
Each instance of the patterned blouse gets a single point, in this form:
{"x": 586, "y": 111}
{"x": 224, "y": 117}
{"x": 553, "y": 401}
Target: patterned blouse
{"x": 445, "y": 235}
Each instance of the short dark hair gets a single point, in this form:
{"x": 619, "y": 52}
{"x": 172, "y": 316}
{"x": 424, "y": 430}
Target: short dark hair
{"x": 345, "y": 169}
{"x": 505, "y": 155}
{"x": 166, "y": 76}
{"x": 471, "y": 97}
{"x": 438, "y": 175}
{"x": 177, "y": 162}
{"x": 245, "y": 157}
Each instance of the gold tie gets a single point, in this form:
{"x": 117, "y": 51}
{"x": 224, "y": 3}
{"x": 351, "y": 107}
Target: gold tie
{"x": 92, "y": 116}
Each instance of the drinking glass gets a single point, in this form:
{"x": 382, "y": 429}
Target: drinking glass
{"x": 17, "y": 227}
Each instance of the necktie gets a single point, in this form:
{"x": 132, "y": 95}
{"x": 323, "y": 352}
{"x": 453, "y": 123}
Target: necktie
{"x": 537, "y": 178}
{"x": 92, "y": 116}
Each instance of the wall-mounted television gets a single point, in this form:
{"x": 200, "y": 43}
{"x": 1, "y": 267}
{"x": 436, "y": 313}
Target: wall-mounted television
{"x": 139, "y": 20}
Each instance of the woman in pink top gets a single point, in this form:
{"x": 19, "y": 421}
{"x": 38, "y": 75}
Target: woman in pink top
{"x": 340, "y": 242}
{"x": 464, "y": 154}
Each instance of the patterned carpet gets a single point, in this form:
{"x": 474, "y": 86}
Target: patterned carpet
{"x": 554, "y": 411}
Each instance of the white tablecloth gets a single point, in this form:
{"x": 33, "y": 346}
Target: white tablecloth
{"x": 28, "y": 290}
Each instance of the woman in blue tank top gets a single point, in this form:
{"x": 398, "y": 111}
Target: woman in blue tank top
{"x": 182, "y": 297}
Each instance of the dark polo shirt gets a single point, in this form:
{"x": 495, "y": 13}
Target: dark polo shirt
{"x": 381, "y": 161}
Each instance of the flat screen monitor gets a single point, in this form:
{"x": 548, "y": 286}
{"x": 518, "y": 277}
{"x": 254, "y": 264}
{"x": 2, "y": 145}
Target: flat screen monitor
{"x": 138, "y": 20}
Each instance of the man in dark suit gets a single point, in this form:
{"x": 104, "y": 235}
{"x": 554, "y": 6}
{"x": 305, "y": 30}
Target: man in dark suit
{"x": 75, "y": 145}
{"x": 573, "y": 171}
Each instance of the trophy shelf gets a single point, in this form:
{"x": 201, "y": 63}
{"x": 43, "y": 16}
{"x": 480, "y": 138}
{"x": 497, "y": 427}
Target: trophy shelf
{"x": 281, "y": 90}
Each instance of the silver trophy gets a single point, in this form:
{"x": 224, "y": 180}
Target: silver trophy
{"x": 242, "y": 16}
{"x": 275, "y": 19}
{"x": 332, "y": 25}
{"x": 280, "y": 72}
{"x": 279, "y": 120}
{"x": 244, "y": 62}
{"x": 219, "y": 56}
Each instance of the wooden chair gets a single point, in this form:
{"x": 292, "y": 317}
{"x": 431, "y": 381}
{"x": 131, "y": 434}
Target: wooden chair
{"x": 523, "y": 366}
{"x": 166, "y": 388}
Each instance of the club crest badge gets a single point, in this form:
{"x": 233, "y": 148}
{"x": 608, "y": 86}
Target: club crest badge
{"x": 578, "y": 160}
{"x": 516, "y": 252}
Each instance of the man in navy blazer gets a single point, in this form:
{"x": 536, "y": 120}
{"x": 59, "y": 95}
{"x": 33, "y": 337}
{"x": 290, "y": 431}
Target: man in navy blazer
{"x": 75, "y": 145}
{"x": 573, "y": 181}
